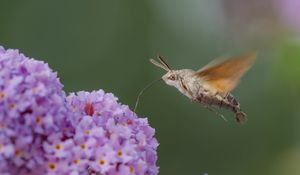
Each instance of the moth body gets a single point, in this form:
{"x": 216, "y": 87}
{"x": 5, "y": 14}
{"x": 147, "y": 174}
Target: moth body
{"x": 212, "y": 84}
{"x": 192, "y": 87}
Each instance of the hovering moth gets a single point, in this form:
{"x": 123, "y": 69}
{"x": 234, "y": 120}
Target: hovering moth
{"x": 212, "y": 84}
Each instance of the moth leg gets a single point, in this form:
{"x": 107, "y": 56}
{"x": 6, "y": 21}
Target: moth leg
{"x": 216, "y": 112}
{"x": 199, "y": 98}
{"x": 225, "y": 96}
{"x": 195, "y": 100}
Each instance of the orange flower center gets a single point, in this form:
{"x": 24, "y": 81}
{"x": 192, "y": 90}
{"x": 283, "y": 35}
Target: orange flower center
{"x": 51, "y": 166}
{"x": 87, "y": 132}
{"x": 101, "y": 162}
{"x": 120, "y": 153}
{"x": 76, "y": 161}
{"x": 2, "y": 95}
{"x": 12, "y": 105}
{"x": 38, "y": 120}
{"x": 58, "y": 146}
{"x": 131, "y": 169}
{"x": 82, "y": 146}
{"x": 18, "y": 152}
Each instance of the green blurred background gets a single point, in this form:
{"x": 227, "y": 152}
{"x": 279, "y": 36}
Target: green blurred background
{"x": 107, "y": 44}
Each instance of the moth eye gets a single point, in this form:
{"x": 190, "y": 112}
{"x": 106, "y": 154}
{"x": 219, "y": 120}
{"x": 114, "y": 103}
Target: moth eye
{"x": 172, "y": 77}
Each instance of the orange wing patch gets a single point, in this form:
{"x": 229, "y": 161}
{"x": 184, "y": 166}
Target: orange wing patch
{"x": 223, "y": 77}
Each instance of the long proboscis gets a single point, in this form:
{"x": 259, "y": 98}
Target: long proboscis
{"x": 142, "y": 91}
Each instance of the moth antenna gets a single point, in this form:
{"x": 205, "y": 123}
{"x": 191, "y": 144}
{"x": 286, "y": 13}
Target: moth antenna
{"x": 142, "y": 91}
{"x": 159, "y": 65}
{"x": 216, "y": 112}
{"x": 163, "y": 62}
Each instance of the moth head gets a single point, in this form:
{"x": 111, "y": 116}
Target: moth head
{"x": 171, "y": 77}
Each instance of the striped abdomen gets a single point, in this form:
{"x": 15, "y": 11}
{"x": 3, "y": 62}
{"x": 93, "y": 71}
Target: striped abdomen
{"x": 234, "y": 106}
{"x": 229, "y": 102}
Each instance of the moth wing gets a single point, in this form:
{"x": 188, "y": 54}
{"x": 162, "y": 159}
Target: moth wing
{"x": 223, "y": 76}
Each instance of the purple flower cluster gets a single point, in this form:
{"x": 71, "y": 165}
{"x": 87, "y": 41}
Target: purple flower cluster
{"x": 32, "y": 106}
{"x": 44, "y": 132}
{"x": 112, "y": 139}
